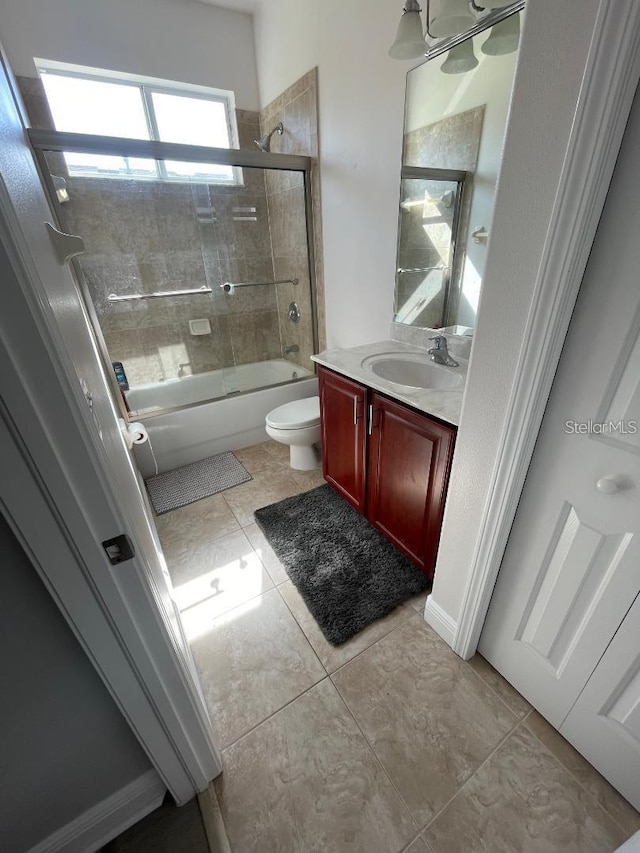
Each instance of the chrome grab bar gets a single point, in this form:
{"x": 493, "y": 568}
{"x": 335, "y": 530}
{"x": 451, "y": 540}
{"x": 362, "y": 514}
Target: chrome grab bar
{"x": 401, "y": 270}
{"x": 112, "y": 297}
{"x": 228, "y": 285}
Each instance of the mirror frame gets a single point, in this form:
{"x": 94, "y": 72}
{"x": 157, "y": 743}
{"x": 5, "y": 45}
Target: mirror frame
{"x": 436, "y": 49}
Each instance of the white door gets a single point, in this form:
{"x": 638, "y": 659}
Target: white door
{"x": 572, "y": 565}
{"x": 604, "y": 724}
{"x": 105, "y": 487}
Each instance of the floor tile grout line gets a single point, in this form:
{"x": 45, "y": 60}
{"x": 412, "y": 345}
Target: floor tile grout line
{"x": 376, "y": 757}
{"x": 368, "y": 648}
{"x": 467, "y": 781}
{"x": 495, "y": 692}
{"x": 306, "y": 690}
{"x": 583, "y": 787}
{"x": 293, "y": 615}
{"x": 273, "y": 714}
{"x": 357, "y": 655}
{"x": 242, "y": 603}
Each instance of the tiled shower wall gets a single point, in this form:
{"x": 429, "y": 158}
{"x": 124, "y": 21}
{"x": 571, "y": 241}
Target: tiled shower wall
{"x": 297, "y": 109}
{"x": 147, "y": 236}
{"x": 150, "y": 236}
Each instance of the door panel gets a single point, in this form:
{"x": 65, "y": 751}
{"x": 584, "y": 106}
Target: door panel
{"x": 409, "y": 460}
{"x": 604, "y": 724}
{"x": 102, "y": 494}
{"x": 570, "y": 571}
{"x": 342, "y": 407}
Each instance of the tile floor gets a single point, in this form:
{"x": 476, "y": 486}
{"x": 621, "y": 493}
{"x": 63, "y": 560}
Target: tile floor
{"x": 387, "y": 743}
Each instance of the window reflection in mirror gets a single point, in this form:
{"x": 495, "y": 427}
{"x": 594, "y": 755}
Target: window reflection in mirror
{"x": 455, "y": 121}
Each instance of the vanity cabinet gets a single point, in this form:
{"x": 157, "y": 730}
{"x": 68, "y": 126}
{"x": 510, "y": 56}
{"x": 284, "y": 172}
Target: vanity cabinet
{"x": 390, "y": 462}
{"x": 343, "y": 416}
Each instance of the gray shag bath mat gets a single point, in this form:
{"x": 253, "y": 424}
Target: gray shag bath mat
{"x": 190, "y": 483}
{"x": 346, "y": 572}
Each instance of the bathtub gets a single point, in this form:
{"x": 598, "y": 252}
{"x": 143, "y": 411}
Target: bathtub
{"x": 228, "y": 419}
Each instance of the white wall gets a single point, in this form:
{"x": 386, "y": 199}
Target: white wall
{"x": 361, "y": 116}
{"x": 553, "y": 53}
{"x": 361, "y": 106}
{"x": 181, "y": 40}
{"x": 65, "y": 745}
{"x": 432, "y": 96}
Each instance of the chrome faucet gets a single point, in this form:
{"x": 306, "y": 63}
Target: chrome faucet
{"x": 181, "y": 369}
{"x": 439, "y": 352}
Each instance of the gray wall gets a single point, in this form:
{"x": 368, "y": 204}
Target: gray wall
{"x": 65, "y": 745}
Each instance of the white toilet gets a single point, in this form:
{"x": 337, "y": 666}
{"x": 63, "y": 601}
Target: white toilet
{"x": 298, "y": 425}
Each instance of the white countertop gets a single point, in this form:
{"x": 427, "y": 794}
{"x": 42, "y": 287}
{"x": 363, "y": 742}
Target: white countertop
{"x": 445, "y": 405}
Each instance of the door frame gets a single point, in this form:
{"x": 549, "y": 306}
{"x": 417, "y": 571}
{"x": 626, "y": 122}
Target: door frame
{"x": 609, "y": 83}
{"x": 123, "y": 633}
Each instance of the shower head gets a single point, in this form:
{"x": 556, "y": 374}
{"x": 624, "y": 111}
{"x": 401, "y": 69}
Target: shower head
{"x": 264, "y": 143}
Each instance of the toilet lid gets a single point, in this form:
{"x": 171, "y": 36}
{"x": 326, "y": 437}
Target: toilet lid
{"x": 295, "y": 415}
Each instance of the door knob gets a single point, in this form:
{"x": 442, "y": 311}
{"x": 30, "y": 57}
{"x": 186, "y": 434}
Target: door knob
{"x": 607, "y": 485}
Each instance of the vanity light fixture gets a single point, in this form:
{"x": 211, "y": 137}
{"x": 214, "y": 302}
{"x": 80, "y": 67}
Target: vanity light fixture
{"x": 451, "y": 21}
{"x": 444, "y": 18}
{"x": 460, "y": 59}
{"x": 504, "y": 37}
{"x": 409, "y": 43}
{"x": 448, "y": 18}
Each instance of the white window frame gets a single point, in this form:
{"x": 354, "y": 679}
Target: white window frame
{"x": 148, "y": 86}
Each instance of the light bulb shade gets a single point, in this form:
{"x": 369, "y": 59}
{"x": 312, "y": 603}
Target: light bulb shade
{"x": 460, "y": 59}
{"x": 449, "y": 17}
{"x": 504, "y": 37}
{"x": 409, "y": 43}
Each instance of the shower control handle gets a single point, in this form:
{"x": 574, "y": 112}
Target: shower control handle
{"x": 294, "y": 312}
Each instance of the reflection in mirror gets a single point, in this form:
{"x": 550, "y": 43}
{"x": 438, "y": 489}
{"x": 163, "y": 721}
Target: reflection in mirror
{"x": 455, "y": 117}
{"x": 430, "y": 205}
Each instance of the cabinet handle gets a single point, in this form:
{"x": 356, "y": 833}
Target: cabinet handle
{"x": 355, "y": 411}
{"x": 370, "y": 418}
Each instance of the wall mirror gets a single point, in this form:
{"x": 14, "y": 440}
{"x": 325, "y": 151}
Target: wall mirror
{"x": 455, "y": 118}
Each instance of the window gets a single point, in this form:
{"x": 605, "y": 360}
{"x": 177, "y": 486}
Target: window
{"x": 87, "y": 101}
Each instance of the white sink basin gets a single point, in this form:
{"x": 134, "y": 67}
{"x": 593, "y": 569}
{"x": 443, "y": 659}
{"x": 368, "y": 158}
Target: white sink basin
{"x": 412, "y": 370}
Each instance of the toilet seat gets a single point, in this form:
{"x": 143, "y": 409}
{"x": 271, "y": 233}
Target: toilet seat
{"x": 295, "y": 415}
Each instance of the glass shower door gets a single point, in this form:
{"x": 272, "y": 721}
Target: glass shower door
{"x": 197, "y": 276}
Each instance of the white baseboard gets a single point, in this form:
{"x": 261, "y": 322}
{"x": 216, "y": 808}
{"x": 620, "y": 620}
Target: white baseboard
{"x": 94, "y": 828}
{"x": 440, "y": 621}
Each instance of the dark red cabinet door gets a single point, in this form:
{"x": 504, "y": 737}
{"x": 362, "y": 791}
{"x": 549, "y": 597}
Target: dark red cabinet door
{"x": 408, "y": 473}
{"x": 342, "y": 411}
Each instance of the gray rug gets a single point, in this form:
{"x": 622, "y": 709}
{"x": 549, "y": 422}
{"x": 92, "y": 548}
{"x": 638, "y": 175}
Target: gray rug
{"x": 347, "y": 572}
{"x": 190, "y": 483}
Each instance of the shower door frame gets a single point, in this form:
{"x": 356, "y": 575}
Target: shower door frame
{"x": 45, "y": 141}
